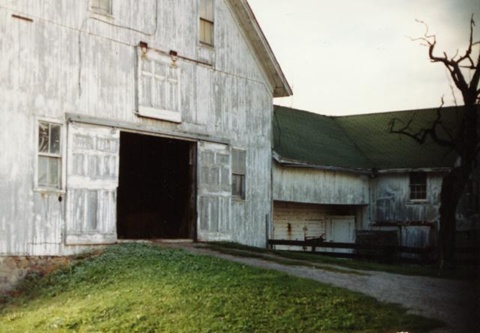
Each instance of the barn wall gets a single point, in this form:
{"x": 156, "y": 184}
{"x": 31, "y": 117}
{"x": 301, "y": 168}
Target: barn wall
{"x": 60, "y": 58}
{"x": 414, "y": 222}
{"x": 309, "y": 202}
{"x": 391, "y": 203}
{"x": 319, "y": 186}
{"x": 299, "y": 221}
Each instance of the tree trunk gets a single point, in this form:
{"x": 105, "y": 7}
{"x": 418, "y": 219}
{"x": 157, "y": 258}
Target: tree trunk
{"x": 454, "y": 184}
{"x": 452, "y": 189}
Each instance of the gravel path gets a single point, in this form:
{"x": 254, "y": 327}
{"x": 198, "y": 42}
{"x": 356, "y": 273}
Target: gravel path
{"x": 452, "y": 301}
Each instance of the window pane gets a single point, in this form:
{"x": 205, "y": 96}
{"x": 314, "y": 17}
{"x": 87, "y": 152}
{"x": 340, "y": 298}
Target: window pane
{"x": 206, "y": 11}
{"x": 55, "y": 139}
{"x": 49, "y": 171}
{"x": 238, "y": 161}
{"x": 54, "y": 172}
{"x": 418, "y": 186}
{"x": 206, "y": 32}
{"x": 202, "y": 31}
{"x": 42, "y": 170}
{"x": 208, "y": 38}
{"x": 43, "y": 137}
{"x": 238, "y": 186}
{"x": 238, "y": 173}
{"x": 49, "y": 155}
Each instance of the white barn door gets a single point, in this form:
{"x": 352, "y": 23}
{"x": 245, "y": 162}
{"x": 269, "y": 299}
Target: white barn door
{"x": 342, "y": 230}
{"x": 214, "y": 192}
{"x": 92, "y": 181}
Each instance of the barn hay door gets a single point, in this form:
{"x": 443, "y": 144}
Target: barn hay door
{"x": 214, "y": 192}
{"x": 92, "y": 180}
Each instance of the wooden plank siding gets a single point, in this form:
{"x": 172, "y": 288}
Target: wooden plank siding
{"x": 300, "y": 222}
{"x": 382, "y": 202}
{"x": 391, "y": 201}
{"x": 65, "y": 59}
{"x": 319, "y": 186}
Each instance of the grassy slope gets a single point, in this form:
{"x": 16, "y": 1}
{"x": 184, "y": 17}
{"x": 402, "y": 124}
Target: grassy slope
{"x": 143, "y": 288}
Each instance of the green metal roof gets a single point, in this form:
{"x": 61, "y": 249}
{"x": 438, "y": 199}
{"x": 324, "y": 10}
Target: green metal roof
{"x": 362, "y": 141}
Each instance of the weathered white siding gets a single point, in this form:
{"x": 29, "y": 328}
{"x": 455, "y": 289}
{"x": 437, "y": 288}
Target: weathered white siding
{"x": 382, "y": 203}
{"x": 319, "y": 186}
{"x": 306, "y": 200}
{"x": 391, "y": 201}
{"x": 59, "y": 58}
{"x": 415, "y": 222}
{"x": 297, "y": 221}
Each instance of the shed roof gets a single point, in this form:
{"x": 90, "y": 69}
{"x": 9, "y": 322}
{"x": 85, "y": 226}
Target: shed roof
{"x": 361, "y": 142}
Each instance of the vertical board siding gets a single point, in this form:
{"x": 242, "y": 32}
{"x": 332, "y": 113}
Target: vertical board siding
{"x": 319, "y": 186}
{"x": 391, "y": 201}
{"x": 68, "y": 59}
{"x": 297, "y": 221}
{"x": 416, "y": 236}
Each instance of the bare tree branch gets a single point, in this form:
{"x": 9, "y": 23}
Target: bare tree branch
{"x": 421, "y": 135}
{"x": 465, "y": 141}
{"x": 453, "y": 95}
{"x": 454, "y": 64}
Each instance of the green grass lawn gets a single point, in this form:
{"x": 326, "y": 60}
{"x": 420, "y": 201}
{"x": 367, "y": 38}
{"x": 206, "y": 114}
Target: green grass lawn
{"x": 146, "y": 288}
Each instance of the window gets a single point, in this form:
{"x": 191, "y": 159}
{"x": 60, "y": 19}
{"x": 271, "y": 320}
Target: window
{"x": 206, "y": 22}
{"x": 238, "y": 173}
{"x": 159, "y": 92}
{"x": 49, "y": 155}
{"x": 101, "y": 6}
{"x": 418, "y": 186}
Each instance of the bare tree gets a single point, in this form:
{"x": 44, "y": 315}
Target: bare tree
{"x": 465, "y": 140}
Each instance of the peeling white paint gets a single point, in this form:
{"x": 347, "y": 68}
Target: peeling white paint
{"x": 62, "y": 58}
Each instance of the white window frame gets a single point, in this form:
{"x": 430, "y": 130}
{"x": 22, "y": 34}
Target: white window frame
{"x": 146, "y": 109}
{"x": 207, "y": 20}
{"x": 239, "y": 171}
{"x": 99, "y": 10}
{"x": 414, "y": 188}
{"x": 62, "y": 154}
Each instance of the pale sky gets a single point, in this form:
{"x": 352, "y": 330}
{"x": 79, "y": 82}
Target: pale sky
{"x": 354, "y": 56}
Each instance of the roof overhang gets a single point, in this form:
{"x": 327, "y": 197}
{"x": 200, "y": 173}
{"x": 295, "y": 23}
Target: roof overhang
{"x": 264, "y": 52}
{"x": 286, "y": 162}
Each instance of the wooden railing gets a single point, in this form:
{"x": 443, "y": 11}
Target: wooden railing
{"x": 385, "y": 253}
{"x": 365, "y": 251}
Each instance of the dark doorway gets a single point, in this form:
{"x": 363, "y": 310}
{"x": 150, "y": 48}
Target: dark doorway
{"x": 156, "y": 192}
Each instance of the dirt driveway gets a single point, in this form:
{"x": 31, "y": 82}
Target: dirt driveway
{"x": 454, "y": 302}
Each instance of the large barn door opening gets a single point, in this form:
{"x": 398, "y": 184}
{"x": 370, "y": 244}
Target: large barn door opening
{"x": 92, "y": 179}
{"x": 156, "y": 193}
{"x": 214, "y": 192}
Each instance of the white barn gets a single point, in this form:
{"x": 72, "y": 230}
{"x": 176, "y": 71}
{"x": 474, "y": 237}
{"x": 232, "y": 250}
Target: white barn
{"x": 134, "y": 119}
